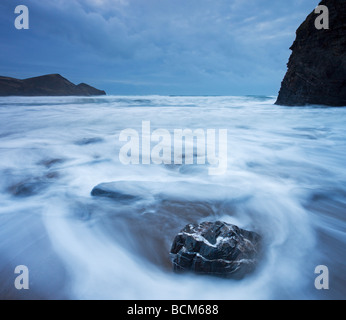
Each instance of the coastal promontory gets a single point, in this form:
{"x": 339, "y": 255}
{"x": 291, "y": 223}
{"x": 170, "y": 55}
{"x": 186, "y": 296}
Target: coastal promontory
{"x": 47, "y": 85}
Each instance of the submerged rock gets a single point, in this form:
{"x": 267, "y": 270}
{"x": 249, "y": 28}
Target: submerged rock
{"x": 105, "y": 192}
{"x": 172, "y": 191}
{"x": 88, "y": 141}
{"x": 317, "y": 67}
{"x": 216, "y": 248}
{"x": 32, "y": 186}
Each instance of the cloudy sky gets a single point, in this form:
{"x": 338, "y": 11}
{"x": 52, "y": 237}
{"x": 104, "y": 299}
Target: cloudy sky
{"x": 178, "y": 47}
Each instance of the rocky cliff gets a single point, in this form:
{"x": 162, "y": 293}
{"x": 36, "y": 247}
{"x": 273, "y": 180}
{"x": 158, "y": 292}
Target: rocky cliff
{"x": 48, "y": 85}
{"x": 317, "y": 67}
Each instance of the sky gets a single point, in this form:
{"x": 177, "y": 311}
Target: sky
{"x": 164, "y": 47}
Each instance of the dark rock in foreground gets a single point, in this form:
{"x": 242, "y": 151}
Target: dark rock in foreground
{"x": 48, "y": 85}
{"x": 317, "y": 67}
{"x": 217, "y": 248}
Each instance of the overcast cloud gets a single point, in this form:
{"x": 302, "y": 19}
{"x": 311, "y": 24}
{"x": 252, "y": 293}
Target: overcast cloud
{"x": 188, "y": 47}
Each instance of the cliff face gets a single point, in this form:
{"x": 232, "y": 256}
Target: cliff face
{"x": 317, "y": 67}
{"x": 49, "y": 85}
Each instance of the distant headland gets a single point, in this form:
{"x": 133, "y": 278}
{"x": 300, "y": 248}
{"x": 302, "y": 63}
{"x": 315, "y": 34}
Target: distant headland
{"x": 47, "y": 85}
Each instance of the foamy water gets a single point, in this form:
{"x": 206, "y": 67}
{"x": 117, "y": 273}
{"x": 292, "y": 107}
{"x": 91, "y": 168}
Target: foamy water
{"x": 286, "y": 180}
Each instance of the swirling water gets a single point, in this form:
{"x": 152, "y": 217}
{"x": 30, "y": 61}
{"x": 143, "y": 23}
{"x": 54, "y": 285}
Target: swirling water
{"x": 286, "y": 179}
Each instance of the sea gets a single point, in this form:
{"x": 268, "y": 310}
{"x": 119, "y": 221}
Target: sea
{"x": 285, "y": 180}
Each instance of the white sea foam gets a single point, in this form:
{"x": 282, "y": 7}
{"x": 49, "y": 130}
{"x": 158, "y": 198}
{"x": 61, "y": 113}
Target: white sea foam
{"x": 286, "y": 180}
